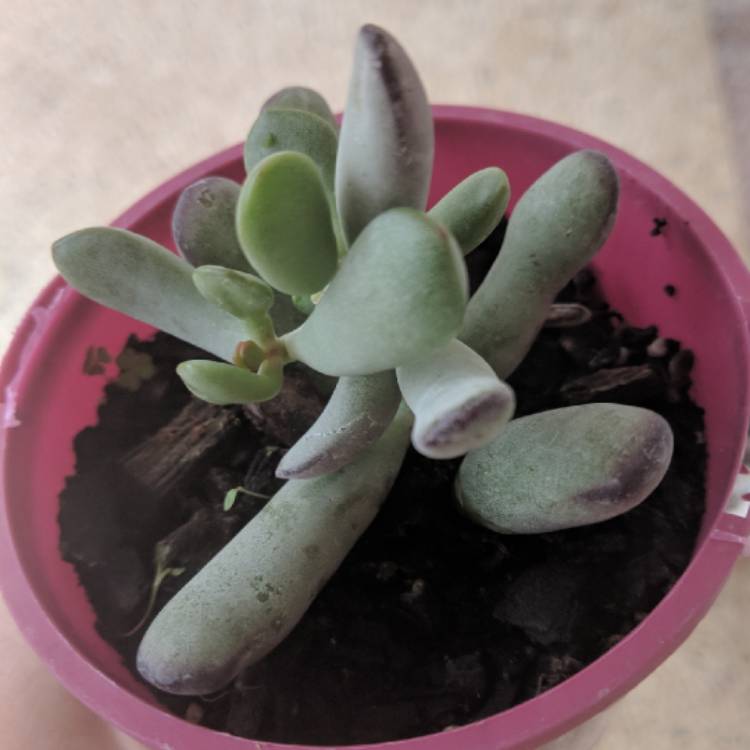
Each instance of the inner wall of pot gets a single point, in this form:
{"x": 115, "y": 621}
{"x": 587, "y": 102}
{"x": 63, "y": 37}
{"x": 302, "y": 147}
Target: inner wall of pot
{"x": 54, "y": 404}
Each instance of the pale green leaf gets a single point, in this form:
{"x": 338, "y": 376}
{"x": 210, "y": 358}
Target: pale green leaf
{"x": 240, "y": 294}
{"x": 293, "y": 130}
{"x": 203, "y": 224}
{"x": 284, "y": 224}
{"x": 135, "y": 276}
{"x": 474, "y": 207}
{"x": 458, "y": 401}
{"x": 356, "y": 415}
{"x": 248, "y": 597}
{"x": 554, "y": 230}
{"x": 223, "y": 384}
{"x": 566, "y": 467}
{"x": 400, "y": 292}
{"x": 302, "y": 98}
{"x": 387, "y": 137}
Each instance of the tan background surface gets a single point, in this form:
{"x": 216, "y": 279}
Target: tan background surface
{"x": 102, "y": 100}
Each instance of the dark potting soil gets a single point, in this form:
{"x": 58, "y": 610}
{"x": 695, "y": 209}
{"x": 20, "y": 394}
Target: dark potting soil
{"x": 431, "y": 621}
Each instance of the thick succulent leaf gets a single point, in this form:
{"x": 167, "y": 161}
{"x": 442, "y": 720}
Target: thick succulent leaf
{"x": 355, "y": 416}
{"x": 245, "y": 601}
{"x": 557, "y": 226}
{"x": 302, "y": 98}
{"x": 293, "y": 130}
{"x": 387, "y": 137}
{"x": 284, "y": 224}
{"x": 203, "y": 224}
{"x": 223, "y": 384}
{"x": 240, "y": 294}
{"x": 458, "y": 401}
{"x": 473, "y": 208}
{"x": 567, "y": 467}
{"x": 135, "y": 276}
{"x": 399, "y": 293}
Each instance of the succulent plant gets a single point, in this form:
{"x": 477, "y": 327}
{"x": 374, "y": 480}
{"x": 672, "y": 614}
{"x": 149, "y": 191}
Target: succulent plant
{"x": 326, "y": 255}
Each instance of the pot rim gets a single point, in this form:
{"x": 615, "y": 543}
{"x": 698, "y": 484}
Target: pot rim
{"x": 523, "y": 726}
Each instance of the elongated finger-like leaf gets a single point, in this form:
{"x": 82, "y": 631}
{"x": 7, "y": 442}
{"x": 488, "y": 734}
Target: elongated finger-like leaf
{"x": 222, "y": 384}
{"x": 473, "y": 208}
{"x": 557, "y": 226}
{"x": 458, "y": 401}
{"x": 240, "y": 294}
{"x": 355, "y": 416}
{"x": 566, "y": 467}
{"x": 302, "y": 98}
{"x": 245, "y": 601}
{"x": 387, "y": 137}
{"x": 284, "y": 224}
{"x": 135, "y": 276}
{"x": 203, "y": 224}
{"x": 399, "y": 293}
{"x": 293, "y": 130}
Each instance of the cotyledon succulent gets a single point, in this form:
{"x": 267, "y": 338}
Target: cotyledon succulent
{"x": 327, "y": 255}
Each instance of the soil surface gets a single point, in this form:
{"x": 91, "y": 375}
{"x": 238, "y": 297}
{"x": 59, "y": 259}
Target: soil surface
{"x": 432, "y": 621}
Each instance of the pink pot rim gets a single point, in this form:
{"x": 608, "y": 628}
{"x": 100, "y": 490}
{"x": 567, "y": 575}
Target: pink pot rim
{"x": 525, "y": 725}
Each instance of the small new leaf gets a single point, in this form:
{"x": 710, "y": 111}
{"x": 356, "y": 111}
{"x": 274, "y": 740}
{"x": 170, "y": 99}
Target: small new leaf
{"x": 223, "y": 384}
{"x": 240, "y": 294}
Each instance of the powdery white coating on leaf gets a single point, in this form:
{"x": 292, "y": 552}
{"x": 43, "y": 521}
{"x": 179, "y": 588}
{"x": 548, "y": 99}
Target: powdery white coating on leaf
{"x": 142, "y": 279}
{"x": 360, "y": 408}
{"x": 565, "y": 467}
{"x": 387, "y": 139}
{"x": 400, "y": 291}
{"x": 554, "y": 230}
{"x": 458, "y": 401}
{"x": 284, "y": 224}
{"x": 251, "y": 594}
{"x": 357, "y": 414}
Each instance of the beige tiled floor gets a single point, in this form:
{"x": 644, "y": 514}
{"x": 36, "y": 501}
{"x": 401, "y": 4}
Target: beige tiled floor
{"x": 101, "y": 101}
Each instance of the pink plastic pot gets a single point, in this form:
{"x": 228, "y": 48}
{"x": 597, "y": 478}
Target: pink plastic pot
{"x": 47, "y": 399}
